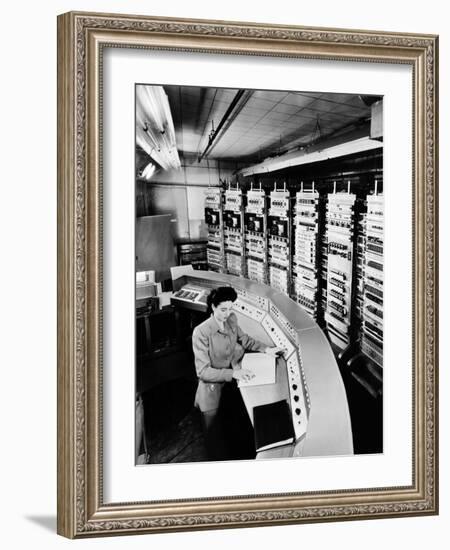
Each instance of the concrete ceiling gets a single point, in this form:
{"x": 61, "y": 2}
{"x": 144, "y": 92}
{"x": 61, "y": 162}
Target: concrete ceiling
{"x": 262, "y": 123}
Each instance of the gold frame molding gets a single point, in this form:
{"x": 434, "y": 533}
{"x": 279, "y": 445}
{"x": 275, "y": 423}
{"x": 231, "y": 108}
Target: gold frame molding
{"x": 81, "y": 37}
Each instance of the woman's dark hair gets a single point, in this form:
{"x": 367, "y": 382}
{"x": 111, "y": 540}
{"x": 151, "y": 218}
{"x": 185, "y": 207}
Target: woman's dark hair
{"x": 221, "y": 294}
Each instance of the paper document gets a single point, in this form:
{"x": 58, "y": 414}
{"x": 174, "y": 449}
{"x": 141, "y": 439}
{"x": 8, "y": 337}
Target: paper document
{"x": 262, "y": 366}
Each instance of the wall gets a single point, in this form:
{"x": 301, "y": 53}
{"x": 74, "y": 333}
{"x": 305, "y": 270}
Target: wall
{"x": 28, "y": 274}
{"x": 181, "y": 193}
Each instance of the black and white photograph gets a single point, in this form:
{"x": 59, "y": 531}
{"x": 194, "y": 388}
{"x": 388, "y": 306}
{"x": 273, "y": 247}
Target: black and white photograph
{"x": 259, "y": 274}
{"x": 227, "y": 217}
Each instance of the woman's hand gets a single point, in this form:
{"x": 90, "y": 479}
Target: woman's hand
{"x": 243, "y": 374}
{"x": 274, "y": 352}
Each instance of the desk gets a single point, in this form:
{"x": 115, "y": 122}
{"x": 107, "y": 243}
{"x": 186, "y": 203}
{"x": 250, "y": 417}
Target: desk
{"x": 328, "y": 424}
{"x": 160, "y": 353}
{"x": 160, "y": 330}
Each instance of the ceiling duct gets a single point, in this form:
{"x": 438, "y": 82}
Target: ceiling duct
{"x": 214, "y": 134}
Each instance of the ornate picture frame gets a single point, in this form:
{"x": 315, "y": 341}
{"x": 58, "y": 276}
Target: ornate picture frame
{"x": 82, "y": 39}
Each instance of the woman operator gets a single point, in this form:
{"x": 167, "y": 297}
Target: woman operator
{"x": 219, "y": 345}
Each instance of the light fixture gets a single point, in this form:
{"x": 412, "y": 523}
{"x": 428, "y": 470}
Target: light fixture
{"x": 325, "y": 151}
{"x": 148, "y": 171}
{"x": 155, "y": 132}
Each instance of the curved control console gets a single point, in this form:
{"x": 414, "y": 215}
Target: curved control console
{"x": 307, "y": 373}
{"x": 298, "y": 393}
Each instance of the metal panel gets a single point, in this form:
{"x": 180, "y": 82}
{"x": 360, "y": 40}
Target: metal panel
{"x": 196, "y": 213}
{"x": 169, "y": 199}
{"x": 154, "y": 245}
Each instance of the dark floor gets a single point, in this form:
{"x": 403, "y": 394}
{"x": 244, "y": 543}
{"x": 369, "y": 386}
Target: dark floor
{"x": 181, "y": 442}
{"x": 175, "y": 433}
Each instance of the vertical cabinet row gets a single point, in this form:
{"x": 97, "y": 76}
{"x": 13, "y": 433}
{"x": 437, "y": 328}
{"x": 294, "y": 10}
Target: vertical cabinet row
{"x": 324, "y": 250}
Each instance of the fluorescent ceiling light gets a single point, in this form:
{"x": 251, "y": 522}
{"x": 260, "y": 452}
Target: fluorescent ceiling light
{"x": 148, "y": 171}
{"x": 305, "y": 157}
{"x": 155, "y": 132}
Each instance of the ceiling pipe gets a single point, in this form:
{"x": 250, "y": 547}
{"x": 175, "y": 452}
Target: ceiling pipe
{"x": 225, "y": 117}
